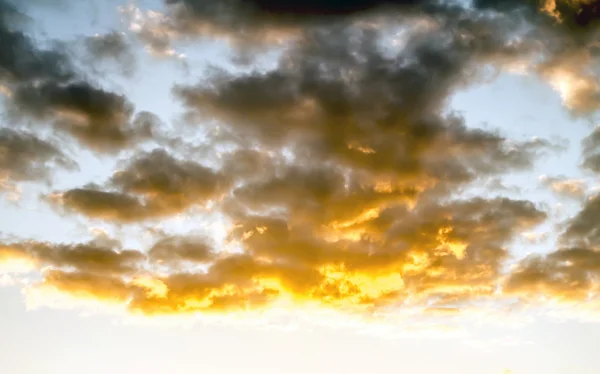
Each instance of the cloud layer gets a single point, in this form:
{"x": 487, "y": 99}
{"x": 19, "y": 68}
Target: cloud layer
{"x": 339, "y": 172}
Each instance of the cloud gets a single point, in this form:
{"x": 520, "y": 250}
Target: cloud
{"x": 83, "y": 286}
{"x": 152, "y": 185}
{"x": 99, "y": 119}
{"x": 567, "y": 274}
{"x": 271, "y": 20}
{"x": 577, "y": 19}
{"x": 45, "y": 85}
{"x": 337, "y": 174}
{"x": 571, "y": 188}
{"x": 158, "y": 173}
{"x": 108, "y": 205}
{"x": 583, "y": 228}
{"x": 24, "y": 157}
{"x": 91, "y": 257}
{"x": 568, "y": 30}
{"x": 13, "y": 259}
{"x": 437, "y": 256}
{"x": 431, "y": 251}
{"x": 569, "y": 74}
{"x": 112, "y": 46}
{"x": 553, "y": 39}
{"x": 150, "y": 29}
{"x": 23, "y": 61}
{"x": 336, "y": 97}
{"x": 95, "y": 257}
{"x": 171, "y": 250}
{"x": 591, "y": 151}
{"x": 339, "y": 171}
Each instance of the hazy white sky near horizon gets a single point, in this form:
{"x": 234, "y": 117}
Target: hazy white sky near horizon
{"x": 54, "y": 336}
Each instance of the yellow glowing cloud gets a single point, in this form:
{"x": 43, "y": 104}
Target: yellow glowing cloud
{"x": 15, "y": 260}
{"x": 574, "y": 89}
{"x": 155, "y": 288}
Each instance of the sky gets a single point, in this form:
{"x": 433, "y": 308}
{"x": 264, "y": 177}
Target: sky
{"x": 382, "y": 186}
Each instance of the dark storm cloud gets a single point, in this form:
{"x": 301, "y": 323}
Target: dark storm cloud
{"x": 245, "y": 23}
{"x": 561, "y": 32}
{"x": 577, "y": 19}
{"x": 21, "y": 60}
{"x": 337, "y": 97}
{"x": 574, "y": 20}
{"x": 25, "y": 157}
{"x": 262, "y": 16}
{"x": 269, "y": 20}
{"x": 574, "y": 15}
{"x": 250, "y": 24}
{"x": 99, "y": 119}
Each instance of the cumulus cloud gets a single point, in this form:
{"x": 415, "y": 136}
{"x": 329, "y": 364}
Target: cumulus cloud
{"x": 44, "y": 85}
{"x": 112, "y": 47}
{"x": 584, "y": 226}
{"x": 151, "y": 29}
{"x": 23, "y": 61}
{"x": 570, "y": 75}
{"x": 25, "y": 157}
{"x": 99, "y": 119}
{"x": 267, "y": 21}
{"x": 152, "y": 185}
{"x": 260, "y": 18}
{"x": 172, "y": 250}
{"x": 568, "y": 274}
{"x": 95, "y": 257}
{"x": 571, "y": 188}
{"x": 336, "y": 97}
{"x": 84, "y": 286}
{"x": 591, "y": 151}
{"x": 562, "y": 33}
{"x": 339, "y": 171}
{"x": 437, "y": 255}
